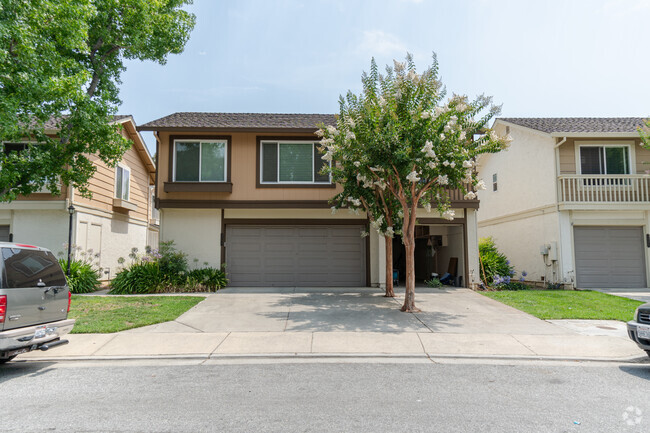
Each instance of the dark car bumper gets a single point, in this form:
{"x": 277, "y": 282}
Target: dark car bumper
{"x": 633, "y": 333}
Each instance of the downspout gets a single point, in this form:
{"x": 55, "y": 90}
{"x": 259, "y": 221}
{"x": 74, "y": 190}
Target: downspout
{"x": 556, "y": 148}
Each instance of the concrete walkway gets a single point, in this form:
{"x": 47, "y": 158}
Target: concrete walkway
{"x": 642, "y": 294}
{"x": 355, "y": 322}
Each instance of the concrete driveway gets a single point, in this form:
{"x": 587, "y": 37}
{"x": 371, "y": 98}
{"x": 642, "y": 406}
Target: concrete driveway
{"x": 642, "y": 294}
{"x": 448, "y": 310}
{"x": 350, "y": 322}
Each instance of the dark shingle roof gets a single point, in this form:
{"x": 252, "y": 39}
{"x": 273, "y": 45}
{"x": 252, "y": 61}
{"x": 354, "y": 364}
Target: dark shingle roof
{"x": 249, "y": 121}
{"x": 578, "y": 124}
{"x": 52, "y": 123}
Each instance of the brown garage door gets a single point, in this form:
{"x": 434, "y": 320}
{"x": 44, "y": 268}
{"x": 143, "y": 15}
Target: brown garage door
{"x": 292, "y": 256}
{"x": 611, "y": 257}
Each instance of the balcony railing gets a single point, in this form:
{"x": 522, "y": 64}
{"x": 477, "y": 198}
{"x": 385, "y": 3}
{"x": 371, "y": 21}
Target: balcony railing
{"x": 629, "y": 188}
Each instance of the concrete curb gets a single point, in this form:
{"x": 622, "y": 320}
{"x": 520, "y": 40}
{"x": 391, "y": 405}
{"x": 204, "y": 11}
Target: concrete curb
{"x": 342, "y": 356}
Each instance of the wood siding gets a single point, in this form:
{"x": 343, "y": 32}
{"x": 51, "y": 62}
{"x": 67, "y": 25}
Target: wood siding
{"x": 242, "y": 176}
{"x": 568, "y": 156}
{"x": 102, "y": 185}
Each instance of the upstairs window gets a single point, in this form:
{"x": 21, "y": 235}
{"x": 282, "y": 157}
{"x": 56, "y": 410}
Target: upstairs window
{"x": 122, "y": 183}
{"x": 494, "y": 182}
{"x": 292, "y": 162}
{"x": 200, "y": 160}
{"x": 604, "y": 160}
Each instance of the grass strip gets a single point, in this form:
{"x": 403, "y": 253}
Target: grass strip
{"x": 107, "y": 314}
{"x": 568, "y": 304}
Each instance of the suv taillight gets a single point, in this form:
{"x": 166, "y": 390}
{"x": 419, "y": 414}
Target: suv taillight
{"x": 3, "y": 308}
{"x": 69, "y": 299}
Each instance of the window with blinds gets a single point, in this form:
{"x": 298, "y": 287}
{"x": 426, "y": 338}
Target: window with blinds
{"x": 291, "y": 162}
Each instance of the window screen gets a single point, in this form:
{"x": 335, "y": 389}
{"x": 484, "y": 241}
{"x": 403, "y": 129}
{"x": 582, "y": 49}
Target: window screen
{"x": 213, "y": 157}
{"x": 269, "y": 162}
{"x": 292, "y": 162}
{"x": 604, "y": 160}
{"x": 24, "y": 268}
{"x": 296, "y": 162}
{"x": 203, "y": 161}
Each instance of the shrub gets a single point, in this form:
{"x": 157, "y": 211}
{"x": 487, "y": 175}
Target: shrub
{"x": 493, "y": 262}
{"x": 433, "y": 282}
{"x": 165, "y": 270}
{"x": 173, "y": 263}
{"x": 141, "y": 277}
{"x": 209, "y": 278}
{"x": 83, "y": 277}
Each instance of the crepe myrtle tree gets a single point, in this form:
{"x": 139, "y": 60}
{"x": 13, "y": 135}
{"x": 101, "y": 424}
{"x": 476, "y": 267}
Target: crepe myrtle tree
{"x": 644, "y": 132}
{"x": 400, "y": 141}
{"x": 60, "y": 68}
{"x": 361, "y": 193}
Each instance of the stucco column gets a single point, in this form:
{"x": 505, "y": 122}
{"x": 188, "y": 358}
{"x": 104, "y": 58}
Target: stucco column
{"x": 472, "y": 247}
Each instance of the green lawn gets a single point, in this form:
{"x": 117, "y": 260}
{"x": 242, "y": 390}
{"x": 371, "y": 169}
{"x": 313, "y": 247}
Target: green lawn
{"x": 568, "y": 304}
{"x": 106, "y": 314}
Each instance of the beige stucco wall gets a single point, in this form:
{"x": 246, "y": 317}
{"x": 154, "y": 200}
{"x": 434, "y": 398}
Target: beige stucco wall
{"x": 520, "y": 240}
{"x": 44, "y": 228}
{"x": 525, "y": 174}
{"x": 117, "y": 236}
{"x": 196, "y": 232}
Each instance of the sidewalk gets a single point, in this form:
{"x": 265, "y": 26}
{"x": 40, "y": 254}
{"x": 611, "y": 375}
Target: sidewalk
{"x": 355, "y": 322}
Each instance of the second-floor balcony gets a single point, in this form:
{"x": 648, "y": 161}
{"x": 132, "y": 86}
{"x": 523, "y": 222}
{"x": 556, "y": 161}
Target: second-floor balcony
{"x": 623, "y": 189}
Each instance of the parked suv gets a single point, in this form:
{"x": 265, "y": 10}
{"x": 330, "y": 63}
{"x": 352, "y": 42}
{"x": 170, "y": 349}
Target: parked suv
{"x": 34, "y": 300}
{"x": 639, "y": 328}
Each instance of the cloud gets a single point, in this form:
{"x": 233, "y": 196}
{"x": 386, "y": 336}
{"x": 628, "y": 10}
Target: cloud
{"x": 377, "y": 42}
{"x": 202, "y": 53}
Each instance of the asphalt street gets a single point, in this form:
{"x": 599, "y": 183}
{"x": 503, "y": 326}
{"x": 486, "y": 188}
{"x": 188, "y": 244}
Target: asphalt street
{"x": 452, "y": 396}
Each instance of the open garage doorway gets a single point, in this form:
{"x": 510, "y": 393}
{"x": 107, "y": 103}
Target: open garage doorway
{"x": 439, "y": 249}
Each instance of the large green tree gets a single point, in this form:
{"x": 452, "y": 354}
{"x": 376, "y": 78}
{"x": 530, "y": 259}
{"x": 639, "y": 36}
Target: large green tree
{"x": 400, "y": 141}
{"x": 60, "y": 68}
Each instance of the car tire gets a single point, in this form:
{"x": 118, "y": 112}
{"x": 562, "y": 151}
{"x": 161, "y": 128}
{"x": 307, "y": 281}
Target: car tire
{"x": 7, "y": 359}
{"x": 648, "y": 352}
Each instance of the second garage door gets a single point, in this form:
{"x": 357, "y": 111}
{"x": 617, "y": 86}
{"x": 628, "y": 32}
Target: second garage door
{"x": 609, "y": 257}
{"x": 291, "y": 256}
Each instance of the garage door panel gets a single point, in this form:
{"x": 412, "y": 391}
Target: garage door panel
{"x": 609, "y": 257}
{"x": 295, "y": 256}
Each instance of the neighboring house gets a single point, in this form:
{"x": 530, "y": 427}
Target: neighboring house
{"x": 119, "y": 216}
{"x": 245, "y": 190}
{"x": 569, "y": 201}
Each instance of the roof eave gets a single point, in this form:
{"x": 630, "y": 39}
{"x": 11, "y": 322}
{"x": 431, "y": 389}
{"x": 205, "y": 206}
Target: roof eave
{"x": 596, "y": 134}
{"x": 232, "y": 129}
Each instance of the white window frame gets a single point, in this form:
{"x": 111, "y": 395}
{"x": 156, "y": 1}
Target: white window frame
{"x": 194, "y": 140}
{"x": 128, "y": 189}
{"x": 277, "y": 162}
{"x": 606, "y": 144}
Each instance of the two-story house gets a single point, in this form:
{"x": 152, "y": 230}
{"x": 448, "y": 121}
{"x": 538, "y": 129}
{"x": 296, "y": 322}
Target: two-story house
{"x": 569, "y": 202}
{"x": 119, "y": 216}
{"x": 245, "y": 191}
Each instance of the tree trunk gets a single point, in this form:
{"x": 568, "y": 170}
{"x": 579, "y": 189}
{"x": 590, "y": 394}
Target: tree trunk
{"x": 389, "y": 267}
{"x": 409, "y": 293}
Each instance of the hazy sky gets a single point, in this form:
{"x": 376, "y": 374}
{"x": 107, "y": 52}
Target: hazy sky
{"x": 537, "y": 58}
